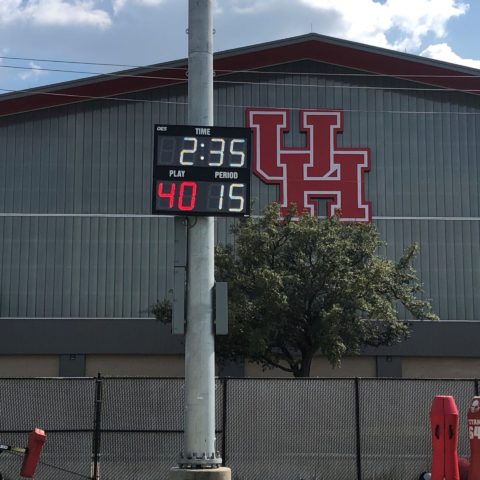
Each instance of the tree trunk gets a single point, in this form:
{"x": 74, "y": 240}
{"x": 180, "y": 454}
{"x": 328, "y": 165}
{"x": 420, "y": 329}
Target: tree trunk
{"x": 304, "y": 370}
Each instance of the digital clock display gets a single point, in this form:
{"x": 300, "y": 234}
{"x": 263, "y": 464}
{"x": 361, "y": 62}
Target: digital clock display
{"x": 201, "y": 171}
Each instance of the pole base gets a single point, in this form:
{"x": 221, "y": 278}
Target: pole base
{"x": 220, "y": 473}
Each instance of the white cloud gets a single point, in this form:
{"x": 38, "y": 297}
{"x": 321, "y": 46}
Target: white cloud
{"x": 407, "y": 21}
{"x": 251, "y": 6}
{"x": 394, "y": 24}
{"x": 9, "y": 10}
{"x": 54, "y": 12}
{"x": 120, "y": 4}
{"x": 35, "y": 71}
{"x": 443, "y": 51}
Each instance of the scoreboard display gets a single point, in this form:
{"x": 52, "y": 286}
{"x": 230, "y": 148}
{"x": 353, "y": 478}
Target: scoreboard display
{"x": 201, "y": 171}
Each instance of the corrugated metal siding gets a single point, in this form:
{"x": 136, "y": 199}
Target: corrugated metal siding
{"x": 96, "y": 157}
{"x": 83, "y": 267}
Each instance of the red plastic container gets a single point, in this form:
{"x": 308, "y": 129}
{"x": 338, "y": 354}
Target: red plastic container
{"x": 36, "y": 440}
{"x": 444, "y": 423}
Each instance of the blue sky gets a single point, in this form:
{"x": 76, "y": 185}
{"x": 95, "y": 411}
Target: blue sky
{"x": 142, "y": 32}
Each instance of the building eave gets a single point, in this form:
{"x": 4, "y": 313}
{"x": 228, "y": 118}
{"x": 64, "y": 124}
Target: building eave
{"x": 343, "y": 53}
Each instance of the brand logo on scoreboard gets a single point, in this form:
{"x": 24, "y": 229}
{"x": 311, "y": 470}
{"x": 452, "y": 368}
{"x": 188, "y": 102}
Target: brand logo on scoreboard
{"x": 319, "y": 170}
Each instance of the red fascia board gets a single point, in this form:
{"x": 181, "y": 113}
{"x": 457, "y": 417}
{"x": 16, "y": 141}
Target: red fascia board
{"x": 91, "y": 91}
{"x": 356, "y": 59}
{"x": 345, "y": 56}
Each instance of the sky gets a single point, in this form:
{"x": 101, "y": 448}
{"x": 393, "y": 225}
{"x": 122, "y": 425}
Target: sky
{"x": 144, "y": 32}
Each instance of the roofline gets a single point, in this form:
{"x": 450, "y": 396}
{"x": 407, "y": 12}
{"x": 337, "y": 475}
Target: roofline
{"x": 353, "y": 45}
{"x": 339, "y": 52}
{"x": 79, "y": 82}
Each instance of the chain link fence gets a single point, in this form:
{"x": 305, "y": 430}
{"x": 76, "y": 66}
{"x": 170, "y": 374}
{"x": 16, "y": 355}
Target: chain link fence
{"x": 267, "y": 429}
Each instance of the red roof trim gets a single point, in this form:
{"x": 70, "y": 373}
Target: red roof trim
{"x": 346, "y": 56}
{"x": 105, "y": 88}
{"x": 369, "y": 59}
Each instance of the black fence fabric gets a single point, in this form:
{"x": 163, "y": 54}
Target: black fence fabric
{"x": 62, "y": 407}
{"x": 395, "y": 436}
{"x": 268, "y": 429}
{"x": 284, "y": 429}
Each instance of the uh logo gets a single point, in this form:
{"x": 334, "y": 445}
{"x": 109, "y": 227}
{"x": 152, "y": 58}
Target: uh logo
{"x": 320, "y": 170}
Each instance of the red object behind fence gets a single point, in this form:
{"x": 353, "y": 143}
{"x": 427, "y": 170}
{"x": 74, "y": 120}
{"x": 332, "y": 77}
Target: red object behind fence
{"x": 474, "y": 434}
{"x": 36, "y": 440}
{"x": 444, "y": 422}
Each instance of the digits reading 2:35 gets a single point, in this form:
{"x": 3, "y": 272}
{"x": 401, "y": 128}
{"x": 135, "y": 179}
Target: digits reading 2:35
{"x": 214, "y": 151}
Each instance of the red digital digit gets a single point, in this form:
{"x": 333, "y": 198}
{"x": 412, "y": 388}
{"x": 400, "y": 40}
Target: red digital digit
{"x": 193, "y": 198}
{"x": 170, "y": 195}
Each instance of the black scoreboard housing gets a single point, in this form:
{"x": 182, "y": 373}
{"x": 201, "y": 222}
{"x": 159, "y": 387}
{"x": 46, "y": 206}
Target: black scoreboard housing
{"x": 201, "y": 171}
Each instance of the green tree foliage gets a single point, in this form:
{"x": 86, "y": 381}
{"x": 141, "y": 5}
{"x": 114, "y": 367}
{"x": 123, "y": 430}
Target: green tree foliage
{"x": 309, "y": 285}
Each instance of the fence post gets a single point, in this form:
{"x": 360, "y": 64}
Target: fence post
{"x": 97, "y": 428}
{"x": 477, "y": 387}
{"x": 224, "y": 422}
{"x": 357, "y": 428}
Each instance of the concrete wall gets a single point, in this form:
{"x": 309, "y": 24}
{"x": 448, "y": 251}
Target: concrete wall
{"x": 443, "y": 367}
{"x": 173, "y": 366}
{"x": 135, "y": 365}
{"x": 29, "y": 365}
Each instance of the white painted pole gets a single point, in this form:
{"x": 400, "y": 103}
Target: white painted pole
{"x": 199, "y": 446}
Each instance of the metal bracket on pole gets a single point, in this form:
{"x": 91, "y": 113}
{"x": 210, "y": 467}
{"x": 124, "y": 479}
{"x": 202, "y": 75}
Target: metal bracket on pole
{"x": 221, "y": 308}
{"x": 179, "y": 277}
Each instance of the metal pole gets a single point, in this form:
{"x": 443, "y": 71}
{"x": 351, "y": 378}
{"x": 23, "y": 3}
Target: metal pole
{"x": 199, "y": 446}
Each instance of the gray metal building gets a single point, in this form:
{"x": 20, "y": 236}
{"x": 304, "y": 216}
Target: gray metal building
{"x": 82, "y": 259}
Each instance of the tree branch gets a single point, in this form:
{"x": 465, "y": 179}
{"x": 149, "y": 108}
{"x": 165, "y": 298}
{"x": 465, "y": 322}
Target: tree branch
{"x": 276, "y": 365}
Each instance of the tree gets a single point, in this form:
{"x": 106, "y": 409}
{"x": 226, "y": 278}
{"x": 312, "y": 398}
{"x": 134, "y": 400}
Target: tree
{"x": 297, "y": 287}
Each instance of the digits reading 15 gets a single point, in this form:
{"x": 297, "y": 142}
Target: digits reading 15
{"x": 201, "y": 171}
